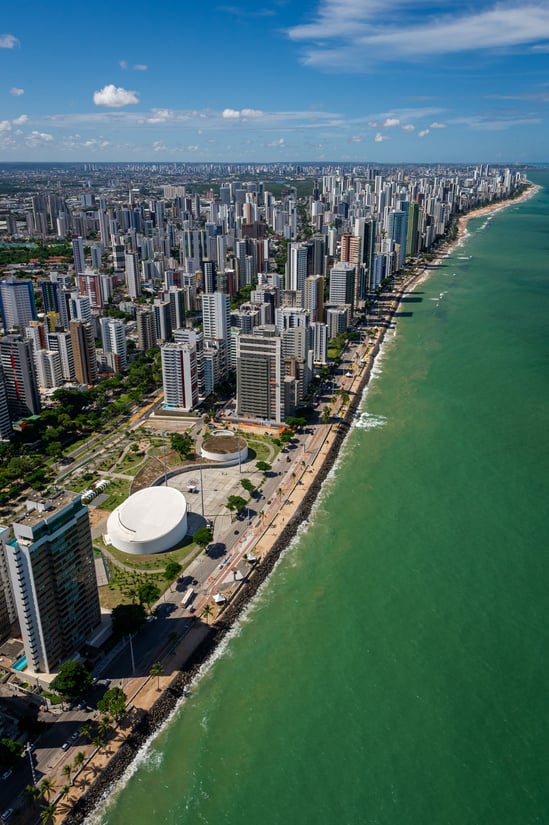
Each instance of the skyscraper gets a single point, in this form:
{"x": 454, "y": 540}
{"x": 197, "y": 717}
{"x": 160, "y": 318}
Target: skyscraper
{"x": 17, "y": 305}
{"x": 314, "y": 297}
{"x": 83, "y": 350}
{"x": 78, "y": 255}
{"x": 179, "y": 376}
{"x": 259, "y": 375}
{"x": 16, "y": 355}
{"x": 146, "y": 330}
{"x": 342, "y": 283}
{"x": 52, "y": 572}
{"x": 113, "y": 338}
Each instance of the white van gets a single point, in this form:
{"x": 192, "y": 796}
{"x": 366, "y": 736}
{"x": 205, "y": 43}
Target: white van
{"x": 187, "y": 597}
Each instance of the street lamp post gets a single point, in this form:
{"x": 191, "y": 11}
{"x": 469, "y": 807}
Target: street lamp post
{"x": 130, "y": 639}
{"x": 201, "y": 484}
{"x": 31, "y": 760}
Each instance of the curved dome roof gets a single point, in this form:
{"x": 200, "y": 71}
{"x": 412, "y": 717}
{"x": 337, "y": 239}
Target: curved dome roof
{"x": 150, "y": 521}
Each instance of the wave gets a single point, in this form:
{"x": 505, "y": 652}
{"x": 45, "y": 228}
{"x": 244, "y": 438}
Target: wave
{"x": 369, "y": 421}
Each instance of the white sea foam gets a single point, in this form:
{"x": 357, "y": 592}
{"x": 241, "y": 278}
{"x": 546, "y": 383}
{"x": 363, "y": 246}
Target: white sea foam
{"x": 368, "y": 421}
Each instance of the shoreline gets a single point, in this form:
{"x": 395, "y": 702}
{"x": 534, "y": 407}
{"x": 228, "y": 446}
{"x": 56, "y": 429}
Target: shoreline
{"x": 304, "y": 492}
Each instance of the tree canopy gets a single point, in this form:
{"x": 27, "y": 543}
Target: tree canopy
{"x": 148, "y": 593}
{"x": 72, "y": 679}
{"x": 203, "y": 536}
{"x": 263, "y": 466}
{"x": 10, "y": 752}
{"x": 172, "y": 571}
{"x": 235, "y": 503}
{"x": 113, "y": 703}
{"x": 127, "y": 618}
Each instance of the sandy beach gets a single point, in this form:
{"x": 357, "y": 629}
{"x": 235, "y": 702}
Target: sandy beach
{"x": 151, "y": 699}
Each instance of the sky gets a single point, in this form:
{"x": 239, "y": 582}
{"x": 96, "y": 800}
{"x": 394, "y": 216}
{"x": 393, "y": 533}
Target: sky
{"x": 387, "y": 81}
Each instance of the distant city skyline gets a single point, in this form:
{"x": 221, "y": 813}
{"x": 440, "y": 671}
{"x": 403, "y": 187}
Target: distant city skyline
{"x": 347, "y": 80}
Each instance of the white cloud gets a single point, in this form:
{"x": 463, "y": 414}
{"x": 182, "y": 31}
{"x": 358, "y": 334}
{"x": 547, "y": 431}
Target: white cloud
{"x": 114, "y": 96}
{"x": 16, "y": 92}
{"x": 123, "y": 64}
{"x": 495, "y": 123}
{"x": 278, "y": 143}
{"x": 357, "y": 33}
{"x": 408, "y": 127}
{"x": 423, "y": 133}
{"x": 437, "y": 125}
{"x": 373, "y": 124}
{"x": 140, "y": 67}
{"x": 18, "y": 121}
{"x": 5, "y": 126}
{"x": 8, "y": 41}
{"x": 379, "y": 138}
{"x": 391, "y": 121}
{"x": 357, "y": 139}
{"x": 38, "y": 138}
{"x": 237, "y": 114}
{"x": 161, "y": 116}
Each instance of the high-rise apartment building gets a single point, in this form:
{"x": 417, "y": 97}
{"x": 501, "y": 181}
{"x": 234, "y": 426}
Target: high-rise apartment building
{"x": 342, "y": 284}
{"x": 16, "y": 355}
{"x": 259, "y": 392}
{"x": 113, "y": 339}
{"x": 314, "y": 297}
{"x": 17, "y": 305}
{"x": 83, "y": 350}
{"x": 49, "y": 373}
{"x": 216, "y": 315}
{"x": 6, "y": 429}
{"x": 61, "y": 342}
{"x": 78, "y": 255}
{"x": 52, "y": 572}
{"x": 146, "y": 330}
{"x": 179, "y": 376}
{"x": 133, "y": 278}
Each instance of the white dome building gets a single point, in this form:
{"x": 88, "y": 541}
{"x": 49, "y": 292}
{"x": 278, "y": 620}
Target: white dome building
{"x": 151, "y": 521}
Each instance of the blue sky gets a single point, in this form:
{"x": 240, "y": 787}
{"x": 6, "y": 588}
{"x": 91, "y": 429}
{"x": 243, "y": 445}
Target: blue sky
{"x": 344, "y": 80}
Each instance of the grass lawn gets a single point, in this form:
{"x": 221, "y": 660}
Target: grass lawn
{"x": 183, "y": 554}
{"x": 117, "y": 491}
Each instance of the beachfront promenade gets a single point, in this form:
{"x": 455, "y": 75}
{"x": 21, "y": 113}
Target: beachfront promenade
{"x": 152, "y": 698}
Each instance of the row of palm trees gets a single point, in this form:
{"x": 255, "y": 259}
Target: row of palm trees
{"x": 37, "y": 794}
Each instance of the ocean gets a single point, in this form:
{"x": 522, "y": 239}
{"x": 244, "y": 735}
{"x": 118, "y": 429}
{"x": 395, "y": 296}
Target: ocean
{"x": 394, "y": 669}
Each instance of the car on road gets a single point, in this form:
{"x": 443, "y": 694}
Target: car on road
{"x": 7, "y": 774}
{"x": 65, "y": 746}
{"x": 7, "y": 813}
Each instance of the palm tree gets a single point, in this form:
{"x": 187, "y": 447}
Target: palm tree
{"x": 207, "y": 611}
{"x": 66, "y": 770}
{"x": 104, "y": 727}
{"x": 47, "y": 814}
{"x": 63, "y": 794}
{"x": 47, "y": 786}
{"x": 98, "y": 742}
{"x": 87, "y": 730}
{"x": 32, "y": 794}
{"x": 79, "y": 759}
{"x": 157, "y": 670}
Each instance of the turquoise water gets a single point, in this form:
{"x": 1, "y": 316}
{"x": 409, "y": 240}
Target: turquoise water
{"x": 20, "y": 664}
{"x": 394, "y": 670}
